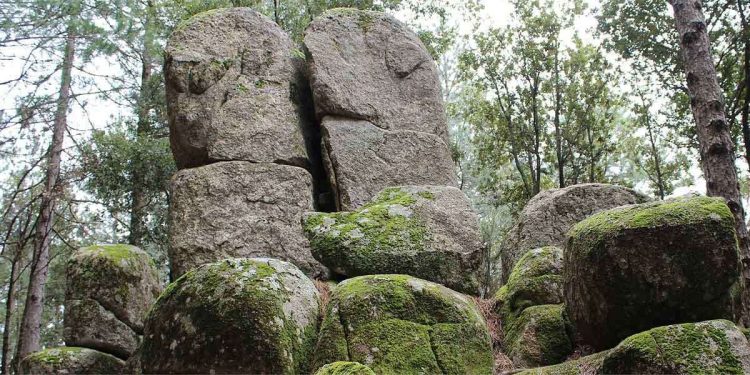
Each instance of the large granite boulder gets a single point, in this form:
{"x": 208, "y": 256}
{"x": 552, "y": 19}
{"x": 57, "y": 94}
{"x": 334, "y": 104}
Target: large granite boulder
{"x": 362, "y": 159}
{"x": 109, "y": 291}
{"x": 70, "y": 360}
{"x": 428, "y": 232}
{"x": 367, "y": 65}
{"x": 234, "y": 316}
{"x": 233, "y": 90}
{"x": 540, "y": 336}
{"x": 240, "y": 209}
{"x": 548, "y": 216}
{"x": 711, "y": 347}
{"x": 404, "y": 325}
{"x": 641, "y": 266}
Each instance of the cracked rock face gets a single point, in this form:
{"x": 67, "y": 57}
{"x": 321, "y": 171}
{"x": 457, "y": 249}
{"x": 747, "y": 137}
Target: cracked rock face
{"x": 110, "y": 289}
{"x": 361, "y": 159}
{"x": 234, "y": 316}
{"x": 367, "y": 65}
{"x": 548, "y": 216}
{"x": 240, "y": 209}
{"x": 429, "y": 232}
{"x": 397, "y": 324}
{"x": 641, "y": 266}
{"x": 70, "y": 360}
{"x": 233, "y": 87}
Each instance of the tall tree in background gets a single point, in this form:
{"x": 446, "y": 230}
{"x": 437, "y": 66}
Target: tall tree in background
{"x": 707, "y": 103}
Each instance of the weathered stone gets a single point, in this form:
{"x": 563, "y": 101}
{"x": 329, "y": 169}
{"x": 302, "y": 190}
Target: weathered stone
{"x": 548, "y": 216}
{"x": 428, "y": 232}
{"x": 536, "y": 280}
{"x": 641, "y": 266}
{"x": 70, "y": 360}
{"x": 240, "y": 209}
{"x": 366, "y": 65}
{"x": 404, "y": 325}
{"x": 110, "y": 289}
{"x": 362, "y": 159}
{"x": 540, "y": 336}
{"x": 233, "y": 90}
{"x": 234, "y": 316}
{"x": 344, "y": 368}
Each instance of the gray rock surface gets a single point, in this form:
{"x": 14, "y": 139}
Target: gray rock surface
{"x": 234, "y": 316}
{"x": 109, "y": 290}
{"x": 636, "y": 267}
{"x": 362, "y": 159}
{"x": 429, "y": 232}
{"x": 233, "y": 89}
{"x": 70, "y": 360}
{"x": 240, "y": 209}
{"x": 367, "y": 65}
{"x": 548, "y": 216}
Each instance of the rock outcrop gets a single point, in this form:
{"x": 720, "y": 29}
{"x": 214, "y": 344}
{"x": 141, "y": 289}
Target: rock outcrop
{"x": 70, "y": 360}
{"x": 110, "y": 289}
{"x": 548, "y": 216}
{"x": 233, "y": 87}
{"x": 711, "y": 347}
{"x": 240, "y": 209}
{"x": 641, "y": 266}
{"x": 377, "y": 94}
{"x": 234, "y": 316}
{"x": 536, "y": 280}
{"x": 344, "y": 368}
{"x": 401, "y": 324}
{"x": 429, "y": 232}
{"x": 539, "y": 336}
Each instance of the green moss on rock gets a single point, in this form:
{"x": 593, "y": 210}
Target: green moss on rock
{"x": 70, "y": 360}
{"x": 539, "y": 336}
{"x": 345, "y": 368}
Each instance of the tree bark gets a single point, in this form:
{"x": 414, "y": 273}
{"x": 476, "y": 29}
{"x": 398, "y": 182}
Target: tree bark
{"x": 707, "y": 103}
{"x": 30, "y": 333}
{"x": 558, "y": 130}
{"x": 10, "y": 303}
{"x": 745, "y": 116}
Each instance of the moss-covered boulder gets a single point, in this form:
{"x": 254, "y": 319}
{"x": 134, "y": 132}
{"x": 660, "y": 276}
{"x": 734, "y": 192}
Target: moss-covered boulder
{"x": 397, "y": 324}
{"x": 540, "y": 336}
{"x": 234, "y": 316}
{"x": 344, "y": 368}
{"x": 637, "y": 267}
{"x": 536, "y": 280}
{"x": 110, "y": 289}
{"x": 70, "y": 360}
{"x": 429, "y": 232}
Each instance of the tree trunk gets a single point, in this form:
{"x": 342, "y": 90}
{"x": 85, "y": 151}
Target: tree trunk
{"x": 655, "y": 154}
{"x": 10, "y": 303}
{"x": 745, "y": 117}
{"x": 30, "y": 333}
{"x": 558, "y": 131}
{"x": 716, "y": 147}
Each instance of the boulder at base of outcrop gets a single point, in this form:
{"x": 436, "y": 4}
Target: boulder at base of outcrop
{"x": 367, "y": 65}
{"x": 404, "y": 325}
{"x": 540, "y": 336}
{"x": 428, "y": 232}
{"x": 344, "y": 368}
{"x": 711, "y": 347}
{"x": 110, "y": 289}
{"x": 637, "y": 267}
{"x": 70, "y": 360}
{"x": 240, "y": 209}
{"x": 548, "y": 216}
{"x": 234, "y": 316}
{"x": 233, "y": 90}
{"x": 536, "y": 280}
{"x": 362, "y": 159}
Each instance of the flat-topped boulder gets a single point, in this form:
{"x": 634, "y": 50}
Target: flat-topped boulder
{"x": 233, "y": 84}
{"x": 362, "y": 159}
{"x": 234, "y": 316}
{"x": 429, "y": 232}
{"x": 109, "y": 290}
{"x": 240, "y": 209}
{"x": 401, "y": 324}
{"x": 70, "y": 360}
{"x": 367, "y": 65}
{"x": 548, "y": 216}
{"x": 637, "y": 267}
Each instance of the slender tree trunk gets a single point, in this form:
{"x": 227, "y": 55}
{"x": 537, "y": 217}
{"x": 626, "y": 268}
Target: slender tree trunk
{"x": 716, "y": 147}
{"x": 655, "y": 154}
{"x": 30, "y": 333}
{"x": 138, "y": 199}
{"x": 537, "y": 137}
{"x": 10, "y": 303}
{"x": 558, "y": 131}
{"x": 276, "y": 12}
{"x": 745, "y": 117}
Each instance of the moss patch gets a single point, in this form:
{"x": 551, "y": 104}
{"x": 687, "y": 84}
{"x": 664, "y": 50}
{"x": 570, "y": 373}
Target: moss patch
{"x": 540, "y": 336}
{"x": 345, "y": 368}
